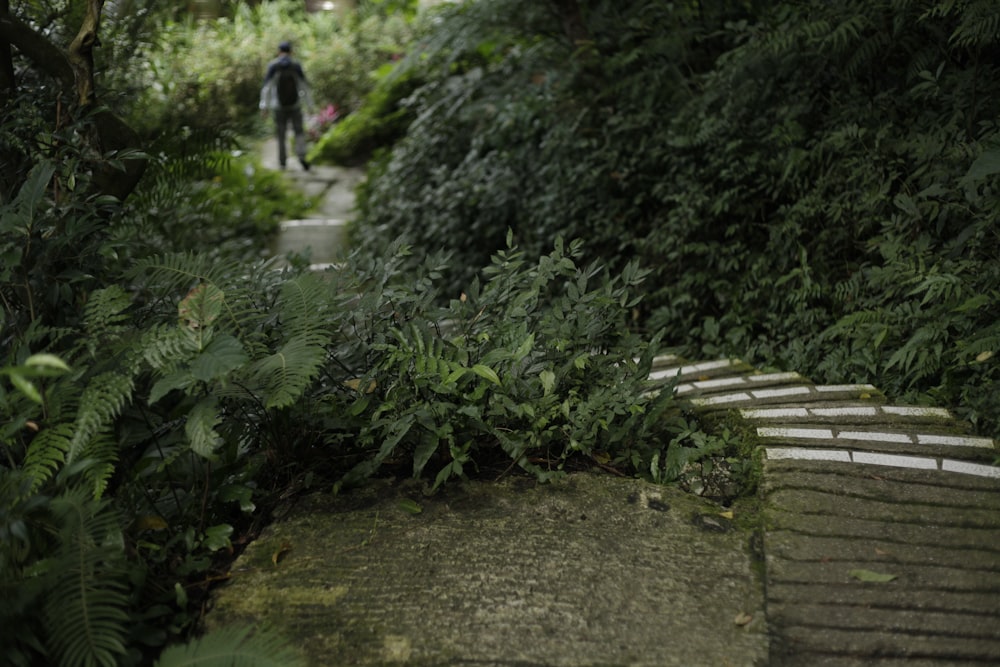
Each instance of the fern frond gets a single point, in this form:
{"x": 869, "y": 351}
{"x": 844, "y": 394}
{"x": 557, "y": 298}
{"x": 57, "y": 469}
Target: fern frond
{"x": 180, "y": 272}
{"x": 47, "y": 453}
{"x": 104, "y": 315}
{"x": 305, "y": 305}
{"x": 233, "y": 646}
{"x": 163, "y": 347}
{"x": 101, "y": 402}
{"x": 101, "y": 455}
{"x": 85, "y": 608}
{"x": 284, "y": 375}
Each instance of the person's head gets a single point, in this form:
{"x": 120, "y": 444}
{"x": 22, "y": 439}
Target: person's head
{"x": 285, "y": 47}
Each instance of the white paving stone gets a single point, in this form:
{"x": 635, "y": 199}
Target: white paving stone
{"x": 895, "y": 461}
{"x": 844, "y": 412}
{"x": 831, "y": 388}
{"x": 773, "y": 413}
{"x": 721, "y": 400}
{"x": 776, "y": 393}
{"x": 911, "y": 411}
{"x": 954, "y": 441}
{"x": 783, "y": 432}
{"x": 803, "y": 454}
{"x": 967, "y": 468}
{"x": 903, "y": 438}
{"x": 776, "y": 377}
{"x": 709, "y": 366}
{"x": 664, "y": 374}
{"x": 664, "y": 359}
{"x": 721, "y": 382}
{"x": 318, "y": 222}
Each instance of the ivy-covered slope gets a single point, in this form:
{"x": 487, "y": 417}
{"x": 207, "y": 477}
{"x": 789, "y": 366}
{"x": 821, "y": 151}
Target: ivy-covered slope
{"x": 812, "y": 184}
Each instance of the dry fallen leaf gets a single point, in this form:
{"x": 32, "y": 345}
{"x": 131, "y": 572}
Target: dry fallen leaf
{"x": 278, "y": 555}
{"x": 355, "y": 384}
{"x": 742, "y": 618}
{"x": 728, "y": 514}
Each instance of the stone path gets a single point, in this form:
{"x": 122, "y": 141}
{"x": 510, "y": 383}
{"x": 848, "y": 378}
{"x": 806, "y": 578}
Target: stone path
{"x": 881, "y": 528}
{"x": 322, "y": 234}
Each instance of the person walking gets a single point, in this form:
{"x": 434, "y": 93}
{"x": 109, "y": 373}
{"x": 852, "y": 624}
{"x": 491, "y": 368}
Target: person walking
{"x": 285, "y": 92}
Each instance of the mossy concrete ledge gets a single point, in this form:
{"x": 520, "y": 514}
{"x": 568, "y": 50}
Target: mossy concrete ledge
{"x": 591, "y": 570}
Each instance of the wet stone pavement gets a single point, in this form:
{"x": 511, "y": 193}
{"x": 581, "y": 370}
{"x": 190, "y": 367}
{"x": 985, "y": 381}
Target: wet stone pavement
{"x": 881, "y": 530}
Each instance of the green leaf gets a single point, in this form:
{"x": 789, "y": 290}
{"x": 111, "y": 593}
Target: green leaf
{"x": 26, "y": 387}
{"x": 548, "y": 379}
{"x": 525, "y": 348}
{"x": 200, "y": 428}
{"x": 163, "y": 386}
{"x": 46, "y": 361}
{"x": 868, "y": 575}
{"x": 985, "y": 165}
{"x": 222, "y": 355}
{"x": 217, "y": 537}
{"x": 409, "y": 506}
{"x": 234, "y": 645}
{"x": 423, "y": 452}
{"x": 486, "y": 373}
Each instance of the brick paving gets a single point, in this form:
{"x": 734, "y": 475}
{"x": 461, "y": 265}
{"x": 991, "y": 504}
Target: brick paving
{"x": 881, "y": 523}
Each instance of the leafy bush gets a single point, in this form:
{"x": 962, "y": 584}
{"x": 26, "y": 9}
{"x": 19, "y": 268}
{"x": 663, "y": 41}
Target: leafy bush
{"x": 379, "y": 122}
{"x": 801, "y": 179}
{"x": 531, "y": 368}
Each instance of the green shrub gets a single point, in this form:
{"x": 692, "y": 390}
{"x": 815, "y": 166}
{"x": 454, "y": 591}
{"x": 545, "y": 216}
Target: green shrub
{"x": 794, "y": 176}
{"x": 530, "y": 369}
{"x": 378, "y": 123}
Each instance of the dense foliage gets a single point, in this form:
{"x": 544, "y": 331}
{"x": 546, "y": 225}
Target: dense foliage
{"x": 812, "y": 185}
{"x": 161, "y": 387}
{"x": 809, "y": 184}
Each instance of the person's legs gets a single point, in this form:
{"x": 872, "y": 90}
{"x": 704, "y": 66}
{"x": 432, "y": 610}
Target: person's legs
{"x": 281, "y": 130}
{"x": 300, "y": 137}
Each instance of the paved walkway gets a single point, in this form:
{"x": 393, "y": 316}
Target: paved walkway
{"x": 881, "y": 528}
{"x": 322, "y": 234}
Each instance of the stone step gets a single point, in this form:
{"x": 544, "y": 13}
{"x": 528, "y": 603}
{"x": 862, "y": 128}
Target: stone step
{"x": 324, "y": 239}
{"x": 798, "y": 395}
{"x": 927, "y": 488}
{"x": 851, "y": 483}
{"x": 836, "y": 647}
{"x": 853, "y": 415}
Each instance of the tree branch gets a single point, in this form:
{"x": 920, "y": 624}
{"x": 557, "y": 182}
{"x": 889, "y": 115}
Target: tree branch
{"x": 74, "y": 71}
{"x": 45, "y": 55}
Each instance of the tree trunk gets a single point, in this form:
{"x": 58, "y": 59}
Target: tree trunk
{"x": 572, "y": 20}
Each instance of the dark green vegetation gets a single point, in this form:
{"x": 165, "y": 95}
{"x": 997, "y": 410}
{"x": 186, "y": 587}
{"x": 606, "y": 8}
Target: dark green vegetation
{"x": 161, "y": 388}
{"x": 811, "y": 185}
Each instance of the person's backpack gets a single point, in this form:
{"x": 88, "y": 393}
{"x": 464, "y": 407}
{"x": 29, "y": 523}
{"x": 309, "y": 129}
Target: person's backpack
{"x": 288, "y": 86}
